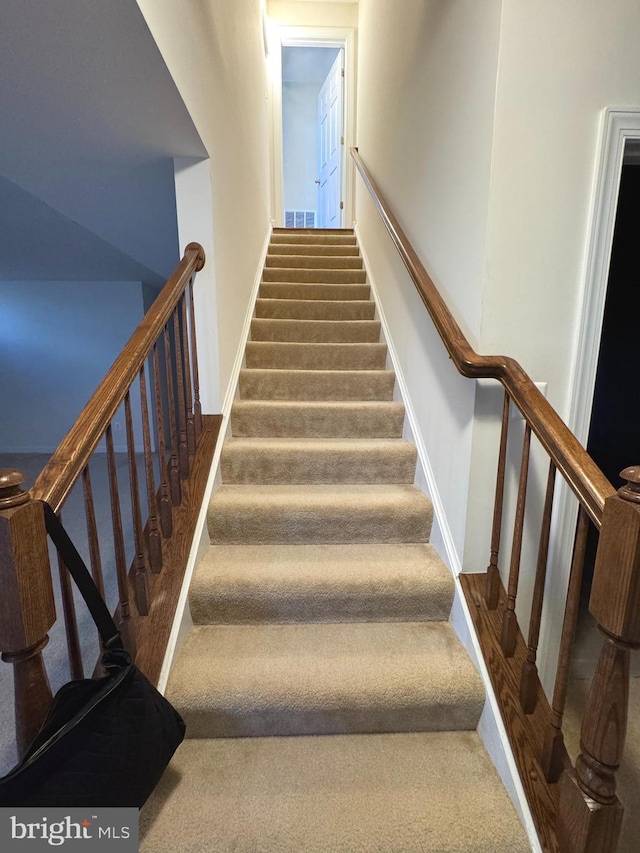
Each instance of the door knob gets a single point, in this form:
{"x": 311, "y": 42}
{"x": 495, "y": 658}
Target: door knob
{"x": 317, "y": 181}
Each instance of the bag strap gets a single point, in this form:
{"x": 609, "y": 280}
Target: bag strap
{"x": 99, "y": 611}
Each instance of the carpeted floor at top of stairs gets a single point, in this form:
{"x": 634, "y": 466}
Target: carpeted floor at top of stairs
{"x": 329, "y": 704}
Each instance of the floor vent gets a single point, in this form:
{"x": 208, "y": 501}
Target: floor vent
{"x": 299, "y": 219}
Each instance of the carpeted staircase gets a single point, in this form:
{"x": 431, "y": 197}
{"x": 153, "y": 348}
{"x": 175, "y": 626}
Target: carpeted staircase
{"x": 321, "y": 610}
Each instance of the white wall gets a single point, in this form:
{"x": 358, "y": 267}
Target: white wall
{"x": 131, "y": 205}
{"x": 302, "y": 14}
{"x": 427, "y": 77}
{"x": 57, "y": 340}
{"x": 214, "y": 51}
{"x": 195, "y": 223}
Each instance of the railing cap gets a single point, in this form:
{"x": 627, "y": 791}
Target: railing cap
{"x": 631, "y": 491}
{"x": 11, "y": 493}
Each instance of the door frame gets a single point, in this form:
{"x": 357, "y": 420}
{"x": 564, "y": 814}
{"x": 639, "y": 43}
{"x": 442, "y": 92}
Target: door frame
{"x": 340, "y": 37}
{"x": 617, "y": 126}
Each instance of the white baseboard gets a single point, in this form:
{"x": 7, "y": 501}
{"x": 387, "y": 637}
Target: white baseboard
{"x": 182, "y": 619}
{"x": 425, "y": 470}
{"x": 491, "y": 727}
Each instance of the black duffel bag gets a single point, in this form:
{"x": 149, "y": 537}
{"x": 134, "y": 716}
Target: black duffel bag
{"x": 106, "y": 741}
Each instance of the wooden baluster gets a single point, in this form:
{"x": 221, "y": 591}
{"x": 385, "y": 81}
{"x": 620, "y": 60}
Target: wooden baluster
{"x": 92, "y": 532}
{"x": 174, "y": 471}
{"x": 529, "y": 680}
{"x": 154, "y": 539}
{"x": 553, "y": 753}
{"x": 27, "y": 607}
{"x": 166, "y": 520}
{"x": 590, "y": 814}
{"x": 140, "y": 580}
{"x": 125, "y": 625}
{"x": 191, "y": 426}
{"x": 509, "y": 621}
{"x": 183, "y": 450}
{"x": 492, "y": 590}
{"x": 74, "y": 650}
{"x": 197, "y": 407}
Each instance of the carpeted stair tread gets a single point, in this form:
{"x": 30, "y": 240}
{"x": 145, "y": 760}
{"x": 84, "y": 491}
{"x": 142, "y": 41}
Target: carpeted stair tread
{"x": 280, "y": 461}
{"x": 434, "y": 792}
{"x": 315, "y": 309}
{"x": 276, "y": 384}
{"x": 317, "y": 419}
{"x": 313, "y": 249}
{"x": 329, "y": 262}
{"x": 326, "y": 292}
{"x": 321, "y": 275}
{"x": 314, "y": 236}
{"x": 316, "y": 331}
{"x": 311, "y": 240}
{"x": 309, "y": 356}
{"x": 244, "y": 584}
{"x": 314, "y": 514}
{"x": 342, "y": 678}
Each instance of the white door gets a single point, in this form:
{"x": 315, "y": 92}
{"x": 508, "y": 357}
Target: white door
{"x": 330, "y": 135}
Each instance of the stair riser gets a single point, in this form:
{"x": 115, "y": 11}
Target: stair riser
{"x": 285, "y": 721}
{"x": 316, "y": 331}
{"x": 326, "y": 292}
{"x": 330, "y": 241}
{"x": 310, "y": 262}
{"x": 316, "y": 385}
{"x": 259, "y": 419}
{"x": 280, "y": 229}
{"x": 314, "y": 309}
{"x": 313, "y": 240}
{"x": 327, "y": 276}
{"x": 316, "y": 249}
{"x": 268, "y": 607}
{"x": 229, "y": 524}
{"x": 299, "y": 466}
{"x": 292, "y": 356}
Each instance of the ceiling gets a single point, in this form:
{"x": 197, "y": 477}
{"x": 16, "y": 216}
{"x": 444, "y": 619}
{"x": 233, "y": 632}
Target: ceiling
{"x": 307, "y": 64}
{"x": 91, "y": 118}
{"x": 86, "y": 80}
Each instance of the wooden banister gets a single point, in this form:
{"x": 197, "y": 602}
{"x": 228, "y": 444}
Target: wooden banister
{"x": 590, "y": 812}
{"x": 582, "y": 814}
{"x": 147, "y": 596}
{"x": 72, "y": 454}
{"x": 27, "y": 608}
{"x": 584, "y": 477}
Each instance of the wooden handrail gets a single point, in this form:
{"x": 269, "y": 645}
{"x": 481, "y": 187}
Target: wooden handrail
{"x": 584, "y": 477}
{"x": 74, "y": 451}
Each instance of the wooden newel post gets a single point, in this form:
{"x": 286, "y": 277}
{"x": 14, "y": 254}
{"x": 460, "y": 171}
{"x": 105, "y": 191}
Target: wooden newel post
{"x": 590, "y": 813}
{"x": 27, "y": 608}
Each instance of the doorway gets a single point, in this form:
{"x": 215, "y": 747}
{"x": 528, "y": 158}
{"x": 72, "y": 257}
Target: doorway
{"x": 312, "y": 136}
{"x": 613, "y": 440}
{"x": 286, "y": 70}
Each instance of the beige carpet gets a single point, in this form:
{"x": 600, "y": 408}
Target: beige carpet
{"x": 329, "y": 704}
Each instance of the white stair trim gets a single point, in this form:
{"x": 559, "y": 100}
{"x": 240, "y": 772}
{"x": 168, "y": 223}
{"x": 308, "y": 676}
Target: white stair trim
{"x": 182, "y": 619}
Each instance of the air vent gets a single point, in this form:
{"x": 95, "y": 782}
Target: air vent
{"x": 299, "y": 219}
